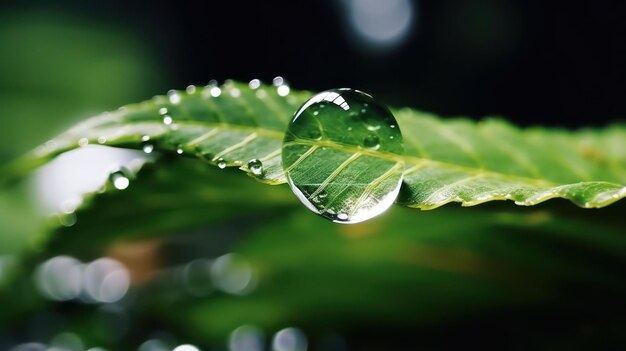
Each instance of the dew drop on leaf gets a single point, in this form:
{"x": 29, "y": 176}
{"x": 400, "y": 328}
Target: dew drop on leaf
{"x": 256, "y": 167}
{"x": 339, "y": 160}
{"x": 146, "y": 144}
{"x": 221, "y": 163}
{"x": 119, "y": 179}
{"x": 371, "y": 141}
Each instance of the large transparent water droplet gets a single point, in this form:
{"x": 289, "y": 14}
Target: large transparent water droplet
{"x": 342, "y": 157}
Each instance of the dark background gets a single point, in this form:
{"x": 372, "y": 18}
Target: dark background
{"x": 534, "y": 62}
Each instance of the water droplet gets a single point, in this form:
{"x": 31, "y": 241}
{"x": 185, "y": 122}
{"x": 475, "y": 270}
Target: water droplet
{"x": 254, "y": 84}
{"x": 256, "y": 167}
{"x": 371, "y": 141}
{"x": 283, "y": 90}
{"x": 167, "y": 120}
{"x": 221, "y": 163}
{"x": 344, "y": 179}
{"x": 215, "y": 91}
{"x": 278, "y": 81}
{"x": 191, "y": 89}
{"x": 120, "y": 179}
{"x": 179, "y": 150}
{"x": 163, "y": 111}
{"x": 173, "y": 96}
{"x": 213, "y": 83}
{"x": 102, "y": 140}
{"x": 83, "y": 142}
{"x": 392, "y": 126}
{"x": 146, "y": 145}
{"x": 147, "y": 148}
{"x": 68, "y": 220}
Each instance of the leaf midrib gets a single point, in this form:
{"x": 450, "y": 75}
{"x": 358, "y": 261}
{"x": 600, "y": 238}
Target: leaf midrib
{"x": 421, "y": 161}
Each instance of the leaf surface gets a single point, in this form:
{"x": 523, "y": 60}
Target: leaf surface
{"x": 446, "y": 160}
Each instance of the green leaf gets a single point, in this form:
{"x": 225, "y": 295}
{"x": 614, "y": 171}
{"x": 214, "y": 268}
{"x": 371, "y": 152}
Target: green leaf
{"x": 454, "y": 160}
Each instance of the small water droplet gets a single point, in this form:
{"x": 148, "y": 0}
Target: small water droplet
{"x": 278, "y": 81}
{"x": 147, "y": 148}
{"x": 371, "y": 141}
{"x": 191, "y": 89}
{"x": 120, "y": 179}
{"x": 392, "y": 126}
{"x": 213, "y": 83}
{"x": 347, "y": 197}
{"x": 163, "y": 111}
{"x": 102, "y": 140}
{"x": 283, "y": 90}
{"x": 215, "y": 91}
{"x": 363, "y": 110}
{"x": 68, "y": 220}
{"x": 254, "y": 84}
{"x": 256, "y": 167}
{"x": 179, "y": 150}
{"x": 83, "y": 142}
{"x": 221, "y": 163}
{"x": 167, "y": 120}
{"x": 173, "y": 96}
{"x": 146, "y": 145}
